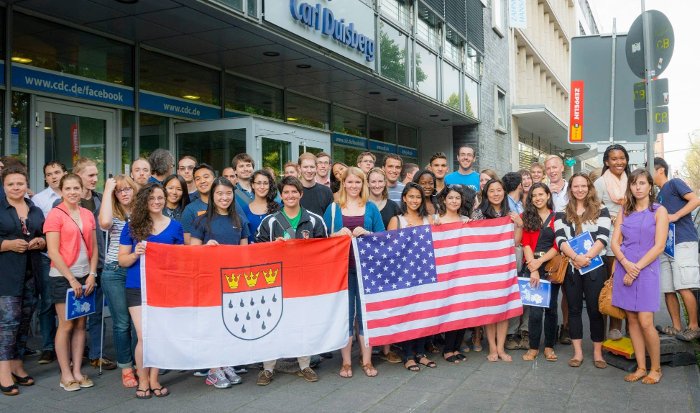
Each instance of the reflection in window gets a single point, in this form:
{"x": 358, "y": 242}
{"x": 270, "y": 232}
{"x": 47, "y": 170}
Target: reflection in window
{"x": 247, "y": 96}
{"x": 408, "y": 137}
{"x": 275, "y": 154}
{"x": 471, "y": 97}
{"x": 394, "y": 53}
{"x": 472, "y": 62}
{"x": 153, "y": 133}
{"x": 307, "y": 111}
{"x": 426, "y": 71}
{"x": 398, "y": 10}
{"x": 47, "y": 45}
{"x": 346, "y": 155}
{"x": 349, "y": 122}
{"x": 215, "y": 148}
{"x": 450, "y": 86}
{"x": 127, "y": 138}
{"x": 382, "y": 130}
{"x": 453, "y": 47}
{"x": 234, "y": 4}
{"x": 427, "y": 27}
{"x": 19, "y": 127}
{"x": 174, "y": 77}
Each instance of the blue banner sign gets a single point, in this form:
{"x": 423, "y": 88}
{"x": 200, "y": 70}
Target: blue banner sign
{"x": 380, "y": 146}
{"x": 41, "y": 80}
{"x": 409, "y": 152}
{"x": 2, "y": 73}
{"x": 347, "y": 140}
{"x": 177, "y": 107}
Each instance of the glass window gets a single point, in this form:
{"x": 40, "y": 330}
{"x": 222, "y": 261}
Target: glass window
{"x": 173, "y": 77}
{"x": 234, "y": 4}
{"x": 501, "y": 110}
{"x": 244, "y": 95}
{"x": 473, "y": 62}
{"x": 215, "y": 148}
{"x": 253, "y": 8}
{"x": 311, "y": 149}
{"x": 450, "y": 86}
{"x": 153, "y": 133}
{"x": 453, "y": 47}
{"x": 471, "y": 97}
{"x": 62, "y": 49}
{"x": 497, "y": 16}
{"x": 2, "y": 125}
{"x": 382, "y": 130}
{"x": 346, "y": 155}
{"x": 427, "y": 27}
{"x": 2, "y": 40}
{"x": 426, "y": 71}
{"x": 307, "y": 111}
{"x": 349, "y": 122}
{"x": 19, "y": 127}
{"x": 127, "y": 138}
{"x": 398, "y": 10}
{"x": 394, "y": 53}
{"x": 408, "y": 136}
{"x": 275, "y": 154}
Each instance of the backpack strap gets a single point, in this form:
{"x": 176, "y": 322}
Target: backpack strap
{"x": 284, "y": 222}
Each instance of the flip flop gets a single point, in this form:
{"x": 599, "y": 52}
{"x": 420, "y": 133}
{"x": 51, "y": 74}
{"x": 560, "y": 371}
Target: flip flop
{"x": 431, "y": 364}
{"x": 161, "y": 392}
{"x": 412, "y": 367}
{"x": 461, "y": 357}
{"x": 145, "y": 394}
{"x": 452, "y": 359}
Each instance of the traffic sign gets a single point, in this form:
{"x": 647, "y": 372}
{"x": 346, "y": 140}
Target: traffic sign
{"x": 660, "y": 120}
{"x": 662, "y": 43}
{"x": 659, "y": 89}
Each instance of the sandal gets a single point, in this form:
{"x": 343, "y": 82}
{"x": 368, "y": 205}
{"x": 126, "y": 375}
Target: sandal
{"x": 428, "y": 363}
{"x": 530, "y": 355}
{"x": 411, "y": 367}
{"x": 143, "y": 394}
{"x": 452, "y": 359}
{"x": 550, "y": 355}
{"x": 636, "y": 376}
{"x": 461, "y": 356}
{"x": 11, "y": 390}
{"x": 161, "y": 392}
{"x": 128, "y": 379}
{"x": 575, "y": 363}
{"x": 668, "y": 330}
{"x": 23, "y": 381}
{"x": 369, "y": 370}
{"x": 345, "y": 371}
{"x": 652, "y": 380}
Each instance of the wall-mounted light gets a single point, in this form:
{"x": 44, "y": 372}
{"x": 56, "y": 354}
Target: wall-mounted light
{"x": 191, "y": 97}
{"x": 23, "y": 60}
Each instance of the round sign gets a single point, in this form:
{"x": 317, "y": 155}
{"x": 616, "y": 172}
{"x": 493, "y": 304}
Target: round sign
{"x": 661, "y": 48}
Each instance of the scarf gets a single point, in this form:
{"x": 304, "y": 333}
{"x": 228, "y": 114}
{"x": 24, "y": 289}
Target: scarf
{"x": 616, "y": 187}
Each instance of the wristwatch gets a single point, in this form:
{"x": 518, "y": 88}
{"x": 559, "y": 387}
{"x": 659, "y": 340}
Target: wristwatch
{"x": 93, "y": 274}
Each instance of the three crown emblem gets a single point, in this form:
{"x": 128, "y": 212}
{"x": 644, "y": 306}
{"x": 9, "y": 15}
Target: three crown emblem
{"x": 251, "y": 278}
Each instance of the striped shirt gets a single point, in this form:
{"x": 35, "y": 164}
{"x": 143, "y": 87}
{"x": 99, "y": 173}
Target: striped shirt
{"x": 115, "y": 231}
{"x": 599, "y": 230}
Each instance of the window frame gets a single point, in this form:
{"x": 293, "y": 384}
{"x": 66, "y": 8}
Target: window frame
{"x": 497, "y": 93}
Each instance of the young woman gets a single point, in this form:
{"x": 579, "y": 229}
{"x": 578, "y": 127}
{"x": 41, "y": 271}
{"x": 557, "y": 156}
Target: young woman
{"x": 538, "y": 248}
{"x": 220, "y": 225}
{"x": 21, "y": 239}
{"x": 494, "y": 204}
{"x": 264, "y": 203}
{"x": 353, "y": 216}
{"x": 527, "y": 182}
{"x": 428, "y": 182}
{"x": 611, "y": 187}
{"x": 72, "y": 246}
{"x": 584, "y": 213}
{"x": 456, "y": 204}
{"x": 638, "y": 240}
{"x": 147, "y": 224}
{"x": 176, "y": 196}
{"x": 337, "y": 172}
{"x": 117, "y": 203}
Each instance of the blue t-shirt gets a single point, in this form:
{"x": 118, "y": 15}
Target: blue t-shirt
{"x": 471, "y": 180}
{"x": 172, "y": 234}
{"x": 197, "y": 208}
{"x": 671, "y": 197}
{"x": 221, "y": 230}
{"x": 254, "y": 221}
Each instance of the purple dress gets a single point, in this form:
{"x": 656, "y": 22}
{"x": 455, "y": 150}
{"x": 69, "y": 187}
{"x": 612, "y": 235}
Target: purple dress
{"x": 638, "y": 236}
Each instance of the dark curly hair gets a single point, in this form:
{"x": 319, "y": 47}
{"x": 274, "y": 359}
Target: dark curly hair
{"x": 422, "y": 210}
{"x": 531, "y": 218}
{"x": 272, "y": 205}
{"x": 141, "y": 223}
{"x": 468, "y": 197}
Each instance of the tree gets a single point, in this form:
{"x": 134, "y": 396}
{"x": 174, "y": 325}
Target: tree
{"x": 691, "y": 170}
{"x": 393, "y": 61}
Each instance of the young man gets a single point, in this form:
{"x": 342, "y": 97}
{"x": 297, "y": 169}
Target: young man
{"x": 465, "y": 175}
{"x": 438, "y": 164}
{"x": 407, "y": 172}
{"x": 316, "y": 197}
{"x": 554, "y": 166}
{"x": 243, "y": 164}
{"x": 292, "y": 222}
{"x": 185, "y": 168}
{"x": 53, "y": 172}
{"x": 91, "y": 200}
{"x": 366, "y": 161}
{"x": 512, "y": 182}
{"x": 392, "y": 169}
{"x": 679, "y": 274}
{"x": 140, "y": 171}
{"x": 162, "y": 164}
{"x": 537, "y": 173}
{"x": 323, "y": 168}
{"x": 228, "y": 173}
{"x": 291, "y": 169}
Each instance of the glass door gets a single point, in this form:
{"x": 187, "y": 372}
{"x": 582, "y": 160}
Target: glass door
{"x": 213, "y": 142}
{"x": 65, "y": 131}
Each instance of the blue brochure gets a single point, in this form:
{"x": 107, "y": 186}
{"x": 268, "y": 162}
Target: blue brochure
{"x": 535, "y": 297}
{"x": 79, "y": 307}
{"x": 581, "y": 244}
{"x": 670, "y": 248}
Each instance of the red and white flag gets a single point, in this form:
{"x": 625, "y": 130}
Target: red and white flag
{"x": 213, "y": 306}
{"x": 419, "y": 281}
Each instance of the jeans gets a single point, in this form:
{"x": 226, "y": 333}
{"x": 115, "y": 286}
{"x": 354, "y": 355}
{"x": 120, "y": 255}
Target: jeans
{"x": 550, "y": 321}
{"x": 114, "y": 288}
{"x": 589, "y": 285}
{"x": 15, "y": 316}
{"x": 47, "y": 312}
{"x": 453, "y": 340}
{"x": 413, "y": 348}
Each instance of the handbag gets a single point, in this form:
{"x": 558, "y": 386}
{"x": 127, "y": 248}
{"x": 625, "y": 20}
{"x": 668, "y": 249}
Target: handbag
{"x": 555, "y": 269}
{"x": 605, "y": 305}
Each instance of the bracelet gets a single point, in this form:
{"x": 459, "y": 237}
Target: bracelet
{"x": 94, "y": 274}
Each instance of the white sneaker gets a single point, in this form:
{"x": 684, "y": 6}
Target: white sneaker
{"x": 217, "y": 378}
{"x": 231, "y": 375}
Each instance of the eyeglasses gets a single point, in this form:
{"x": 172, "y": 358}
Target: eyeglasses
{"x": 123, "y": 190}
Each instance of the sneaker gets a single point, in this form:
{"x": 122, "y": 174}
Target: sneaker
{"x": 47, "y": 356}
{"x": 217, "y": 378}
{"x": 524, "y": 341}
{"x": 240, "y": 369}
{"x": 564, "y": 337}
{"x": 614, "y": 334}
{"x": 512, "y": 342}
{"x": 390, "y": 357}
{"x": 107, "y": 364}
{"x": 28, "y": 352}
{"x": 264, "y": 378}
{"x": 308, "y": 374}
{"x": 689, "y": 334}
{"x": 201, "y": 373}
{"x": 231, "y": 375}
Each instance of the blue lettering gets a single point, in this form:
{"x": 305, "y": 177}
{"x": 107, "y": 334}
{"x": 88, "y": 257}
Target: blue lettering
{"x": 306, "y": 14}
{"x": 293, "y": 9}
{"x": 328, "y": 22}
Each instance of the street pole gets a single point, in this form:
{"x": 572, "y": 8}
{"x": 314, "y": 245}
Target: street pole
{"x": 612, "y": 83}
{"x": 648, "y": 67}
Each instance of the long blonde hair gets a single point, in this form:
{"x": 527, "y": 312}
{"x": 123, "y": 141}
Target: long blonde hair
{"x": 118, "y": 210}
{"x": 364, "y": 192}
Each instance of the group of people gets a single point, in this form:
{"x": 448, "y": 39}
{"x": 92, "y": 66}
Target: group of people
{"x": 71, "y": 237}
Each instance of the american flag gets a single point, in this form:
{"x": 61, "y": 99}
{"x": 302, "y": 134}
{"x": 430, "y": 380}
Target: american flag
{"x": 424, "y": 280}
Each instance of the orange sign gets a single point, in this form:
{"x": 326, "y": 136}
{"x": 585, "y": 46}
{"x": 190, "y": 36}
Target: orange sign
{"x": 576, "y": 112}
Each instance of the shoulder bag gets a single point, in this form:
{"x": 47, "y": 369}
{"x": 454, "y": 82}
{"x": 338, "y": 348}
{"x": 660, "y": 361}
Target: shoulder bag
{"x": 555, "y": 269}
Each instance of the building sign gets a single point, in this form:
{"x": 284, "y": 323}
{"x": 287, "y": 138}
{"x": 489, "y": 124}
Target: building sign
{"x": 408, "y": 152}
{"x": 576, "y": 112}
{"x": 380, "y": 146}
{"x": 180, "y": 108}
{"x": 40, "y": 80}
{"x": 347, "y": 140}
{"x": 518, "y": 14}
{"x": 345, "y": 27}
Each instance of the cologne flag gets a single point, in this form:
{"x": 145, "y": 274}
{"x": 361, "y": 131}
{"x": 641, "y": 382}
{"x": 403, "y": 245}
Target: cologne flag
{"x": 213, "y": 306}
{"x": 419, "y": 281}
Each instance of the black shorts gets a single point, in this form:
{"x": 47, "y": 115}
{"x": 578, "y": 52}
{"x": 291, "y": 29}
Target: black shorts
{"x": 133, "y": 297}
{"x": 59, "y": 286}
